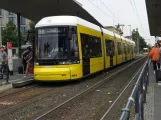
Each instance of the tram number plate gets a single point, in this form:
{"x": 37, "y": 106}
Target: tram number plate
{"x": 47, "y": 66}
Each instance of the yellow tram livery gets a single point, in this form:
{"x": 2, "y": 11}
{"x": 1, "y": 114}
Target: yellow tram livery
{"x": 70, "y": 48}
{"x": 145, "y": 51}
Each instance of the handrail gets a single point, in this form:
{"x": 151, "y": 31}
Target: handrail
{"x": 138, "y": 96}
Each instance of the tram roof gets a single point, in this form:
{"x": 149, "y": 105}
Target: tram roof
{"x": 154, "y": 16}
{"x": 38, "y": 9}
{"x": 108, "y": 32}
{"x": 66, "y": 20}
{"x": 145, "y": 48}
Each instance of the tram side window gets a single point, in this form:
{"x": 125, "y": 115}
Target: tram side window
{"x": 91, "y": 46}
{"x": 110, "y": 48}
{"x": 119, "y": 48}
{"x": 128, "y": 49}
{"x": 74, "y": 44}
{"x": 124, "y": 48}
{"x": 132, "y": 48}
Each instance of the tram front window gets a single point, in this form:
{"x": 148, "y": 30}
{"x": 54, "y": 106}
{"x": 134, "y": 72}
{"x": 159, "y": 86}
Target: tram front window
{"x": 57, "y": 43}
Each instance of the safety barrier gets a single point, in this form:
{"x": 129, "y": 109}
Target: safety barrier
{"x": 138, "y": 96}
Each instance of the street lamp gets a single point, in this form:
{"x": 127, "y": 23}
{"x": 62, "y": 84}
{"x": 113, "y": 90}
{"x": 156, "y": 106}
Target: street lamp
{"x": 119, "y": 25}
{"x": 130, "y": 32}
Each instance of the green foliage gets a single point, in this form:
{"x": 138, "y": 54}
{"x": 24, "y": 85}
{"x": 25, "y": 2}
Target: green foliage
{"x": 31, "y": 32}
{"x": 9, "y": 34}
{"x": 136, "y": 36}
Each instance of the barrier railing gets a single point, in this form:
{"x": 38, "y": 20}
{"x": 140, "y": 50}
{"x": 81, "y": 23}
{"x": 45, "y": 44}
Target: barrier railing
{"x": 138, "y": 96}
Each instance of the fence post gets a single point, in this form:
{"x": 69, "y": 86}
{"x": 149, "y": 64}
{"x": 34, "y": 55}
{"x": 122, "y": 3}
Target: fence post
{"x": 146, "y": 82}
{"x": 139, "y": 94}
{"x": 142, "y": 95}
{"x": 137, "y": 102}
{"x": 148, "y": 71}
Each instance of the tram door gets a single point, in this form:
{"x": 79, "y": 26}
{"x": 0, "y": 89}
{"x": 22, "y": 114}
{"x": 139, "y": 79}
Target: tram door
{"x": 125, "y": 52}
{"x": 110, "y": 51}
{"x": 111, "y": 60}
{"x": 85, "y": 55}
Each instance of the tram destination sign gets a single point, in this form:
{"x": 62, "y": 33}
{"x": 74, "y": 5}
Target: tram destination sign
{"x": 57, "y": 30}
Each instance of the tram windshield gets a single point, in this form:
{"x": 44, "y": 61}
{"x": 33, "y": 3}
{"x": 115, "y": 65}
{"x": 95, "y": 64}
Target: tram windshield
{"x": 57, "y": 43}
{"x": 145, "y": 50}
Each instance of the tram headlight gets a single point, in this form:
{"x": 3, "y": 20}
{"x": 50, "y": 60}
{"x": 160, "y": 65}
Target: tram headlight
{"x": 66, "y": 62}
{"x": 36, "y": 63}
{"x": 69, "y": 62}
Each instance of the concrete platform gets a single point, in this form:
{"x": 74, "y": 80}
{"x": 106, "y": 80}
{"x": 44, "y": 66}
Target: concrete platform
{"x": 22, "y": 82}
{"x": 16, "y": 80}
{"x": 152, "y": 108}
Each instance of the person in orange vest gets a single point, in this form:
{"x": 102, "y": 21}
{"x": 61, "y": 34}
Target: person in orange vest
{"x": 154, "y": 53}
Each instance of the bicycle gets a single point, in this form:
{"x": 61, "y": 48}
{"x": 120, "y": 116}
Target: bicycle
{"x": 4, "y": 72}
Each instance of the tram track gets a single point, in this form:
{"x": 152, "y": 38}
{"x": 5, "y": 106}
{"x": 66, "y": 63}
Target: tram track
{"x": 12, "y": 101}
{"x": 15, "y": 91}
{"x": 52, "y": 94}
{"x": 122, "y": 97}
{"x": 68, "y": 105}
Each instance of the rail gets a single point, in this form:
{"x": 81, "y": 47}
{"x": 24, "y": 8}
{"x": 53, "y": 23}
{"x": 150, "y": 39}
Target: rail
{"x": 138, "y": 96}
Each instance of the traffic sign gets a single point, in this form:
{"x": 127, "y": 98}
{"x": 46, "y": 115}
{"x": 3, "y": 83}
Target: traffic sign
{"x": 9, "y": 44}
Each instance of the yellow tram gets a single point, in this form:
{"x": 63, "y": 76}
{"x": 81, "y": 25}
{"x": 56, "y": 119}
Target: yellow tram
{"x": 70, "y": 48}
{"x": 145, "y": 51}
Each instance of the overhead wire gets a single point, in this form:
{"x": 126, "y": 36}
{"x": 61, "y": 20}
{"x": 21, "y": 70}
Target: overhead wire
{"x": 100, "y": 9}
{"x": 137, "y": 15}
{"x": 114, "y": 17}
{"x": 104, "y": 12}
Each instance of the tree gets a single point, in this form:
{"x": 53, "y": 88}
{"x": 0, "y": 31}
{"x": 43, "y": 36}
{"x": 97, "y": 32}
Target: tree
{"x": 9, "y": 34}
{"x": 143, "y": 44}
{"x": 138, "y": 39}
{"x": 135, "y": 35}
{"x": 31, "y": 32}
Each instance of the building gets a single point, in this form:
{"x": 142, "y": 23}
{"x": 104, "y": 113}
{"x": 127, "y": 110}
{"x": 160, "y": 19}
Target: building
{"x": 6, "y": 16}
{"x": 112, "y": 29}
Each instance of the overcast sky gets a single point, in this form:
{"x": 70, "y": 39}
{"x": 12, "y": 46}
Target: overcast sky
{"x": 112, "y": 12}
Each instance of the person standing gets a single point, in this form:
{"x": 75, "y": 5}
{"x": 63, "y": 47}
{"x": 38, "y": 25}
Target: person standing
{"x": 159, "y": 60}
{"x": 29, "y": 61}
{"x": 154, "y": 53}
{"x": 24, "y": 55}
{"x": 3, "y": 60}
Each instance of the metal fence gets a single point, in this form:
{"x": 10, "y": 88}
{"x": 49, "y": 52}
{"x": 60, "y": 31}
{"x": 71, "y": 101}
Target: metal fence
{"x": 138, "y": 96}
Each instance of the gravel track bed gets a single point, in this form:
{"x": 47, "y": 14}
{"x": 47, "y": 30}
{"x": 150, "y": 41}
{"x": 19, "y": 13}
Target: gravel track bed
{"x": 15, "y": 90}
{"x": 14, "y": 99}
{"x": 93, "y": 104}
{"x": 58, "y": 95}
{"x": 115, "y": 112}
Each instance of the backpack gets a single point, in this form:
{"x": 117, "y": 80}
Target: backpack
{"x": 25, "y": 54}
{"x": 29, "y": 55}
